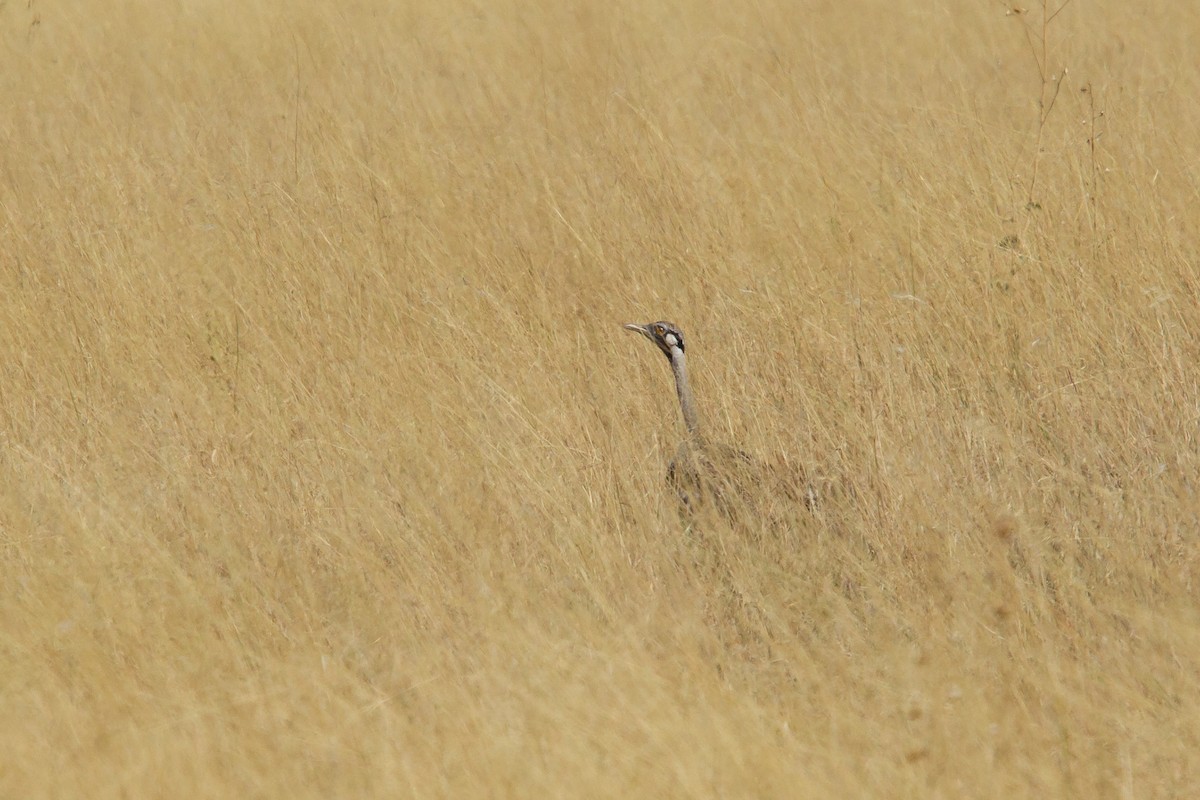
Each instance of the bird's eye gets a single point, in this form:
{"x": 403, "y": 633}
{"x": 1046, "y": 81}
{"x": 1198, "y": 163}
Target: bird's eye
{"x": 660, "y": 330}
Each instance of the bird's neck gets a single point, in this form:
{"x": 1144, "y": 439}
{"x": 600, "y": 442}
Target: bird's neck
{"x": 688, "y": 405}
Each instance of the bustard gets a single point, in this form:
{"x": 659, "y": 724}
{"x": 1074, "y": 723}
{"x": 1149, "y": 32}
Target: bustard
{"x": 703, "y": 471}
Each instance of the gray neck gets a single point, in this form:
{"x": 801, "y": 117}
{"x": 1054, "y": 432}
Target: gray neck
{"x": 679, "y": 366}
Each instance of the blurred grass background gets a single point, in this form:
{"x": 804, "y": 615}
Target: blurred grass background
{"x": 327, "y": 471}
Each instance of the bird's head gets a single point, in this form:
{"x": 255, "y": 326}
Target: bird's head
{"x": 666, "y": 335}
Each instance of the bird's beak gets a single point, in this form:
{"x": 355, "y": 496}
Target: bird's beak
{"x": 644, "y": 330}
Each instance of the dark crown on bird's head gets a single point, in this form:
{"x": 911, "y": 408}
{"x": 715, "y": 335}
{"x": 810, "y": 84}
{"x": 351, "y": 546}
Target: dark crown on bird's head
{"x": 664, "y": 334}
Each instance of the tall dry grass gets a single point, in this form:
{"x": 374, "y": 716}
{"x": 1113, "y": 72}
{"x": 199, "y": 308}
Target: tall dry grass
{"x": 327, "y": 471}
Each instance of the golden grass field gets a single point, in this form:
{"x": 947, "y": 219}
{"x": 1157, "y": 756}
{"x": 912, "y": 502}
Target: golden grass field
{"x": 326, "y": 469}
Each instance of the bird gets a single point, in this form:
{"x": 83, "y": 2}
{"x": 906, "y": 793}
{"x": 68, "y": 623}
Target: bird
{"x": 705, "y": 473}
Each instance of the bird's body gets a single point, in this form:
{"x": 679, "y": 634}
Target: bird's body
{"x": 711, "y": 474}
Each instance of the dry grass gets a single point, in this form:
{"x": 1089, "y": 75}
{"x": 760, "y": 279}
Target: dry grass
{"x": 327, "y": 471}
